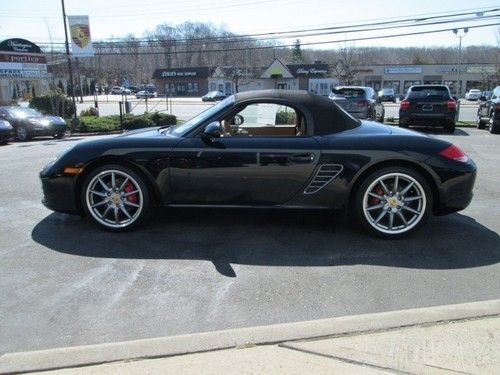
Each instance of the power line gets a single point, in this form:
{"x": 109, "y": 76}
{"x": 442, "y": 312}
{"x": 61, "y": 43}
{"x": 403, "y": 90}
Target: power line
{"x": 302, "y": 33}
{"x": 287, "y": 45}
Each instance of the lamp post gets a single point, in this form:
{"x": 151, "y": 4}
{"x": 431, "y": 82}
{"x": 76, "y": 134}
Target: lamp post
{"x": 459, "y": 35}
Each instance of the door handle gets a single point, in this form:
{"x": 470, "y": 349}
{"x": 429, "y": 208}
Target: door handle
{"x": 302, "y": 158}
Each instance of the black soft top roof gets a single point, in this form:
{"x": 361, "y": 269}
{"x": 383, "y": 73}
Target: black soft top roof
{"x": 327, "y": 117}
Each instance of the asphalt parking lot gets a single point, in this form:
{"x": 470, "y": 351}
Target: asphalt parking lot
{"x": 65, "y": 282}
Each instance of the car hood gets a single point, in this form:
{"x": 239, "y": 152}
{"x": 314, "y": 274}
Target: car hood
{"x": 152, "y": 132}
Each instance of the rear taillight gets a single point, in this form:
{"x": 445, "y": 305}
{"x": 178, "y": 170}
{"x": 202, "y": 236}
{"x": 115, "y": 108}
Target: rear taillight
{"x": 362, "y": 103}
{"x": 451, "y": 104}
{"x": 405, "y": 104}
{"x": 454, "y": 153}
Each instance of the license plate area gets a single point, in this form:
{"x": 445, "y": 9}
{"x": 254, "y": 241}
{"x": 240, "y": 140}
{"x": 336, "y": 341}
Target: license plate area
{"x": 427, "y": 107}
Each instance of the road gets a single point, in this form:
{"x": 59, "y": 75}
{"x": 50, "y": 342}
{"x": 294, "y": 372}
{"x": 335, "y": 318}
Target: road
{"x": 186, "y": 108}
{"x": 65, "y": 282}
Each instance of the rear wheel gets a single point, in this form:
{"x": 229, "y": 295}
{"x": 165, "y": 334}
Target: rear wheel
{"x": 450, "y": 127}
{"x": 494, "y": 124}
{"x": 115, "y": 197}
{"x": 393, "y": 202}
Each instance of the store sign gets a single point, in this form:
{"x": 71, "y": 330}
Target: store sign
{"x": 81, "y": 43}
{"x": 20, "y": 58}
{"x": 403, "y": 70}
{"x": 449, "y": 69}
{"x": 19, "y": 45}
{"x": 481, "y": 69}
{"x": 177, "y": 74}
{"x": 311, "y": 71}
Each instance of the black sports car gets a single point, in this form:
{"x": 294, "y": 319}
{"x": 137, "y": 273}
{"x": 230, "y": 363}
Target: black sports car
{"x": 269, "y": 149}
{"x": 28, "y": 123}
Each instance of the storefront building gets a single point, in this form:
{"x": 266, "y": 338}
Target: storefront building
{"x": 23, "y": 70}
{"x": 198, "y": 81}
{"x": 182, "y": 81}
{"x": 401, "y": 77}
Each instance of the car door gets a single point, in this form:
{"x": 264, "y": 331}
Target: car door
{"x": 244, "y": 169}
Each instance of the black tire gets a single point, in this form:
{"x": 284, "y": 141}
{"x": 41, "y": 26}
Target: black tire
{"x": 450, "y": 127}
{"x": 405, "y": 176}
{"x": 22, "y": 133}
{"x": 381, "y": 118}
{"x": 136, "y": 216}
{"x": 494, "y": 124}
{"x": 480, "y": 124}
{"x": 58, "y": 135}
{"x": 404, "y": 124}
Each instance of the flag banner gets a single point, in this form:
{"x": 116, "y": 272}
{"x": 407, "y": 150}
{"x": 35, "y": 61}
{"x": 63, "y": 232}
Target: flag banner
{"x": 81, "y": 43}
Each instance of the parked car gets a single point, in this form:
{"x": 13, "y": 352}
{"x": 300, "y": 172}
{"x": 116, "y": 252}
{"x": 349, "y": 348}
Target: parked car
{"x": 145, "y": 94}
{"x": 360, "y": 102}
{"x": 428, "y": 105}
{"x": 6, "y": 132}
{"x": 387, "y": 95}
{"x": 473, "y": 94}
{"x": 29, "y": 123}
{"x": 485, "y": 95}
{"x": 213, "y": 96}
{"x": 134, "y": 89}
{"x": 119, "y": 90}
{"x": 237, "y": 154}
{"x": 488, "y": 113}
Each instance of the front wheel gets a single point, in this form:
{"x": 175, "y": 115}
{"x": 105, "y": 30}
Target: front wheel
{"x": 22, "y": 133}
{"x": 393, "y": 202}
{"x": 115, "y": 197}
{"x": 479, "y": 122}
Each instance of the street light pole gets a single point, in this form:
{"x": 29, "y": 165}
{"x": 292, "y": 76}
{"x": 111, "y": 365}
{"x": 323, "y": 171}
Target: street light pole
{"x": 459, "y": 36}
{"x": 68, "y": 56}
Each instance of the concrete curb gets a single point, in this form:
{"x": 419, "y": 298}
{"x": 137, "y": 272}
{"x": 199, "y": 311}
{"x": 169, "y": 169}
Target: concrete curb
{"x": 264, "y": 335}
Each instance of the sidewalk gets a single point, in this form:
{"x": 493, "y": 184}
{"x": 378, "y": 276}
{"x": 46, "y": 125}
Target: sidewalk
{"x": 454, "y": 339}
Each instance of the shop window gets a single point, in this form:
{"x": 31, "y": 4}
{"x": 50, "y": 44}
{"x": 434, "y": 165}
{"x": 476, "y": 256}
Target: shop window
{"x": 407, "y": 85}
{"x": 395, "y": 85}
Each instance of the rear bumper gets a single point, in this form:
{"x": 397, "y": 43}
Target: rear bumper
{"x": 457, "y": 184}
{"x": 406, "y": 117}
{"x": 6, "y": 135}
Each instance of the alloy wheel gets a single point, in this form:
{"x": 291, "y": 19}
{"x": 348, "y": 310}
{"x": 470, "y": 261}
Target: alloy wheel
{"x": 114, "y": 198}
{"x": 394, "y": 203}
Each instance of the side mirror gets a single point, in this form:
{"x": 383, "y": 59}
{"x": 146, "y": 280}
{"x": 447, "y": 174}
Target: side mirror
{"x": 482, "y": 98}
{"x": 213, "y": 130}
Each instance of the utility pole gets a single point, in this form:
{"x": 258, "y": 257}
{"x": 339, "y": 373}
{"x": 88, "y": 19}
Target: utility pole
{"x": 74, "y": 121}
{"x": 459, "y": 36}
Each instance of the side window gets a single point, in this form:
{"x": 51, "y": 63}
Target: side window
{"x": 495, "y": 93}
{"x": 264, "y": 120}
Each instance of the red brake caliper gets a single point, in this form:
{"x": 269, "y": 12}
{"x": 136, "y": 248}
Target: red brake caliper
{"x": 128, "y": 188}
{"x": 374, "y": 201}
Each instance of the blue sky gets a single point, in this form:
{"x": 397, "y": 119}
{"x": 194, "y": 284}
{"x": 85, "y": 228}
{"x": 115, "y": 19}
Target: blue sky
{"x": 41, "y": 21}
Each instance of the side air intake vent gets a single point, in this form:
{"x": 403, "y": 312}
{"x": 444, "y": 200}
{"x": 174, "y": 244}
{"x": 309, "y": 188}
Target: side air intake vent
{"x": 325, "y": 174}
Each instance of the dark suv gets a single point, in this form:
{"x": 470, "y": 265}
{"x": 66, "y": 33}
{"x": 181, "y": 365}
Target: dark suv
{"x": 489, "y": 112}
{"x": 428, "y": 105}
{"x": 360, "y": 102}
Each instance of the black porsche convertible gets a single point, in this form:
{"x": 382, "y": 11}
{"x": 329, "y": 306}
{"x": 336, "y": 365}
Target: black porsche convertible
{"x": 265, "y": 149}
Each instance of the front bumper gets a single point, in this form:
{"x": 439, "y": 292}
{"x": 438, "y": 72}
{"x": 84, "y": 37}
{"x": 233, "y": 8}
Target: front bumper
{"x": 51, "y": 129}
{"x": 59, "y": 193}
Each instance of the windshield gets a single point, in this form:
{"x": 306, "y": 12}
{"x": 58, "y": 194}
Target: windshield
{"x": 348, "y": 92}
{"x": 24, "y": 112}
{"x": 180, "y": 130}
{"x": 426, "y": 92}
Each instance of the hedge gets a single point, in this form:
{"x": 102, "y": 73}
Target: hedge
{"x": 54, "y": 103}
{"x": 91, "y": 124}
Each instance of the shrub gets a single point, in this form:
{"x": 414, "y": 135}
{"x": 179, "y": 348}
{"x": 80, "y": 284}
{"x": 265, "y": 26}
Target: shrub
{"x": 163, "y": 119}
{"x": 283, "y": 117}
{"x": 91, "y": 124}
{"x": 89, "y": 112}
{"x": 137, "y": 122}
{"x": 54, "y": 103}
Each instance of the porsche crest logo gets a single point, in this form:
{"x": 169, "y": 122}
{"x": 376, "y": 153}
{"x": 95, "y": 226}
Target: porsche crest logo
{"x": 80, "y": 34}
